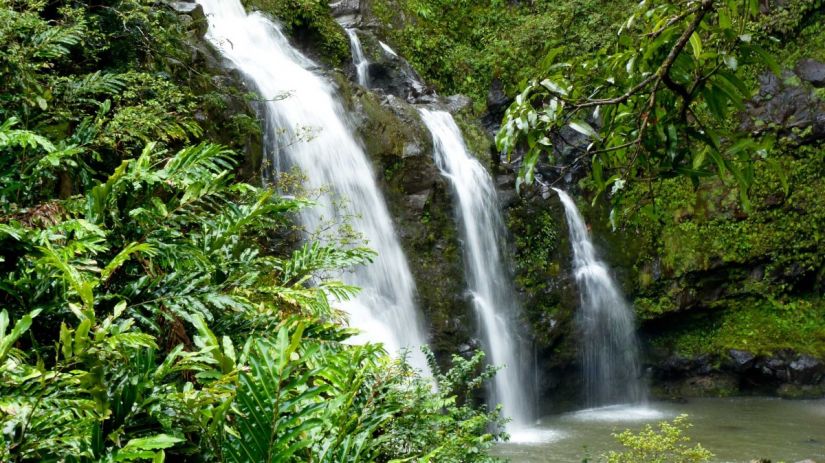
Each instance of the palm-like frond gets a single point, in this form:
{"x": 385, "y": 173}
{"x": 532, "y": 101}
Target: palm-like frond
{"x": 55, "y": 42}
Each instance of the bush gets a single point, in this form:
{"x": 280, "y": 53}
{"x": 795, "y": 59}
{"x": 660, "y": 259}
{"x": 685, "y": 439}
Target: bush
{"x": 667, "y": 444}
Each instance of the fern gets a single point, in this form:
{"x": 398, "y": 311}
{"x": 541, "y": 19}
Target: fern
{"x": 22, "y": 138}
{"x": 279, "y": 406}
{"x": 55, "y": 42}
{"x": 96, "y": 83}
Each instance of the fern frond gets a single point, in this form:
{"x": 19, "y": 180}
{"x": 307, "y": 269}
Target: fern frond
{"x": 55, "y": 42}
{"x": 314, "y": 257}
{"x": 96, "y": 83}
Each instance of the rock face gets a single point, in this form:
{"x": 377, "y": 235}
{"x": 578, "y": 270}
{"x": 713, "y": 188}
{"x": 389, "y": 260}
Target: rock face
{"x": 789, "y": 107}
{"x": 391, "y": 74}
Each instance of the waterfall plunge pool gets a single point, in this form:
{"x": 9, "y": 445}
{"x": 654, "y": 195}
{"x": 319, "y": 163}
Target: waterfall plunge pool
{"x": 735, "y": 430}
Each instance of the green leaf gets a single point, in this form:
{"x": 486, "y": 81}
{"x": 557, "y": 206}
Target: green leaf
{"x": 696, "y": 45}
{"x": 146, "y": 447}
{"x": 22, "y": 325}
{"x": 584, "y": 128}
{"x": 123, "y": 256}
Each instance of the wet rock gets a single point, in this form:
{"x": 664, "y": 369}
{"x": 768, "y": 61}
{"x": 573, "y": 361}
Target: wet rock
{"x": 345, "y": 8}
{"x": 811, "y": 71}
{"x": 190, "y": 8}
{"x": 680, "y": 367}
{"x": 742, "y": 360}
{"x": 715, "y": 385}
{"x": 391, "y": 74}
{"x": 497, "y": 104}
{"x": 785, "y": 106}
{"x": 806, "y": 370}
{"x": 457, "y": 103}
{"x": 191, "y": 15}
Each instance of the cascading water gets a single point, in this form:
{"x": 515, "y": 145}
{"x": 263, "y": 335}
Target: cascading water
{"x": 384, "y": 311}
{"x": 478, "y": 211}
{"x": 610, "y": 351}
{"x": 362, "y": 65}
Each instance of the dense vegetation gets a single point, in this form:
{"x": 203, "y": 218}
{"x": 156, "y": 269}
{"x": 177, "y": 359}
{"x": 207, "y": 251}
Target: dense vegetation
{"x": 465, "y": 46}
{"x": 699, "y": 175}
{"x": 153, "y": 305}
{"x": 156, "y": 301}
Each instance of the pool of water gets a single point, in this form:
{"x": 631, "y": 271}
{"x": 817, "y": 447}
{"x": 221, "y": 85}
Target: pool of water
{"x": 735, "y": 430}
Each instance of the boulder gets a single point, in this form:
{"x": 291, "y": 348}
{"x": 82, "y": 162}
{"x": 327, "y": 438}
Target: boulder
{"x": 786, "y": 107}
{"x": 458, "y": 103}
{"x": 742, "y": 360}
{"x": 345, "y": 7}
{"x": 191, "y": 15}
{"x": 391, "y": 74}
{"x": 190, "y": 8}
{"x": 812, "y": 71}
{"x": 806, "y": 370}
{"x": 497, "y": 104}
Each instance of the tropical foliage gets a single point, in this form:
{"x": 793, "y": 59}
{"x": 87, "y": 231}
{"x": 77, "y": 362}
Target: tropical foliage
{"x": 151, "y": 304}
{"x": 656, "y": 105}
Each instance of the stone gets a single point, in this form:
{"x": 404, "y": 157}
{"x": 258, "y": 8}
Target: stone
{"x": 798, "y": 392}
{"x": 811, "y": 71}
{"x": 391, "y": 74}
{"x": 806, "y": 370}
{"x": 189, "y": 8}
{"x": 497, "y": 104}
{"x": 191, "y": 14}
{"x": 792, "y": 110}
{"x": 742, "y": 360}
{"x": 345, "y": 8}
{"x": 458, "y": 103}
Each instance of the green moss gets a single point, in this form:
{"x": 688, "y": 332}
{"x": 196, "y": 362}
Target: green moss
{"x": 733, "y": 279}
{"x": 761, "y": 326}
{"x": 461, "y": 46}
{"x": 309, "y": 21}
{"x": 477, "y": 140}
{"x": 698, "y": 230}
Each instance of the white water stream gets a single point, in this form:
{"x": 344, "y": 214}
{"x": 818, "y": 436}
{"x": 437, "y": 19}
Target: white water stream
{"x": 610, "y": 350}
{"x": 362, "y": 65}
{"x": 332, "y": 159}
{"x": 496, "y": 305}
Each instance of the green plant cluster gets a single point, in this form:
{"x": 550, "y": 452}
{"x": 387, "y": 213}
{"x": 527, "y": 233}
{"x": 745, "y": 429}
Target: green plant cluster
{"x": 310, "y": 22}
{"x": 785, "y": 18}
{"x": 462, "y": 46}
{"x": 152, "y": 305}
{"x": 669, "y": 443}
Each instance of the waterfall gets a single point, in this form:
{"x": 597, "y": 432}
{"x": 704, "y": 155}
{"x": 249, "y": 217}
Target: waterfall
{"x": 308, "y": 130}
{"x": 610, "y": 351}
{"x": 362, "y": 66}
{"x": 478, "y": 211}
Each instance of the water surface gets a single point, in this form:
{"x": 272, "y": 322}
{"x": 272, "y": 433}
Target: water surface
{"x": 735, "y": 430}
